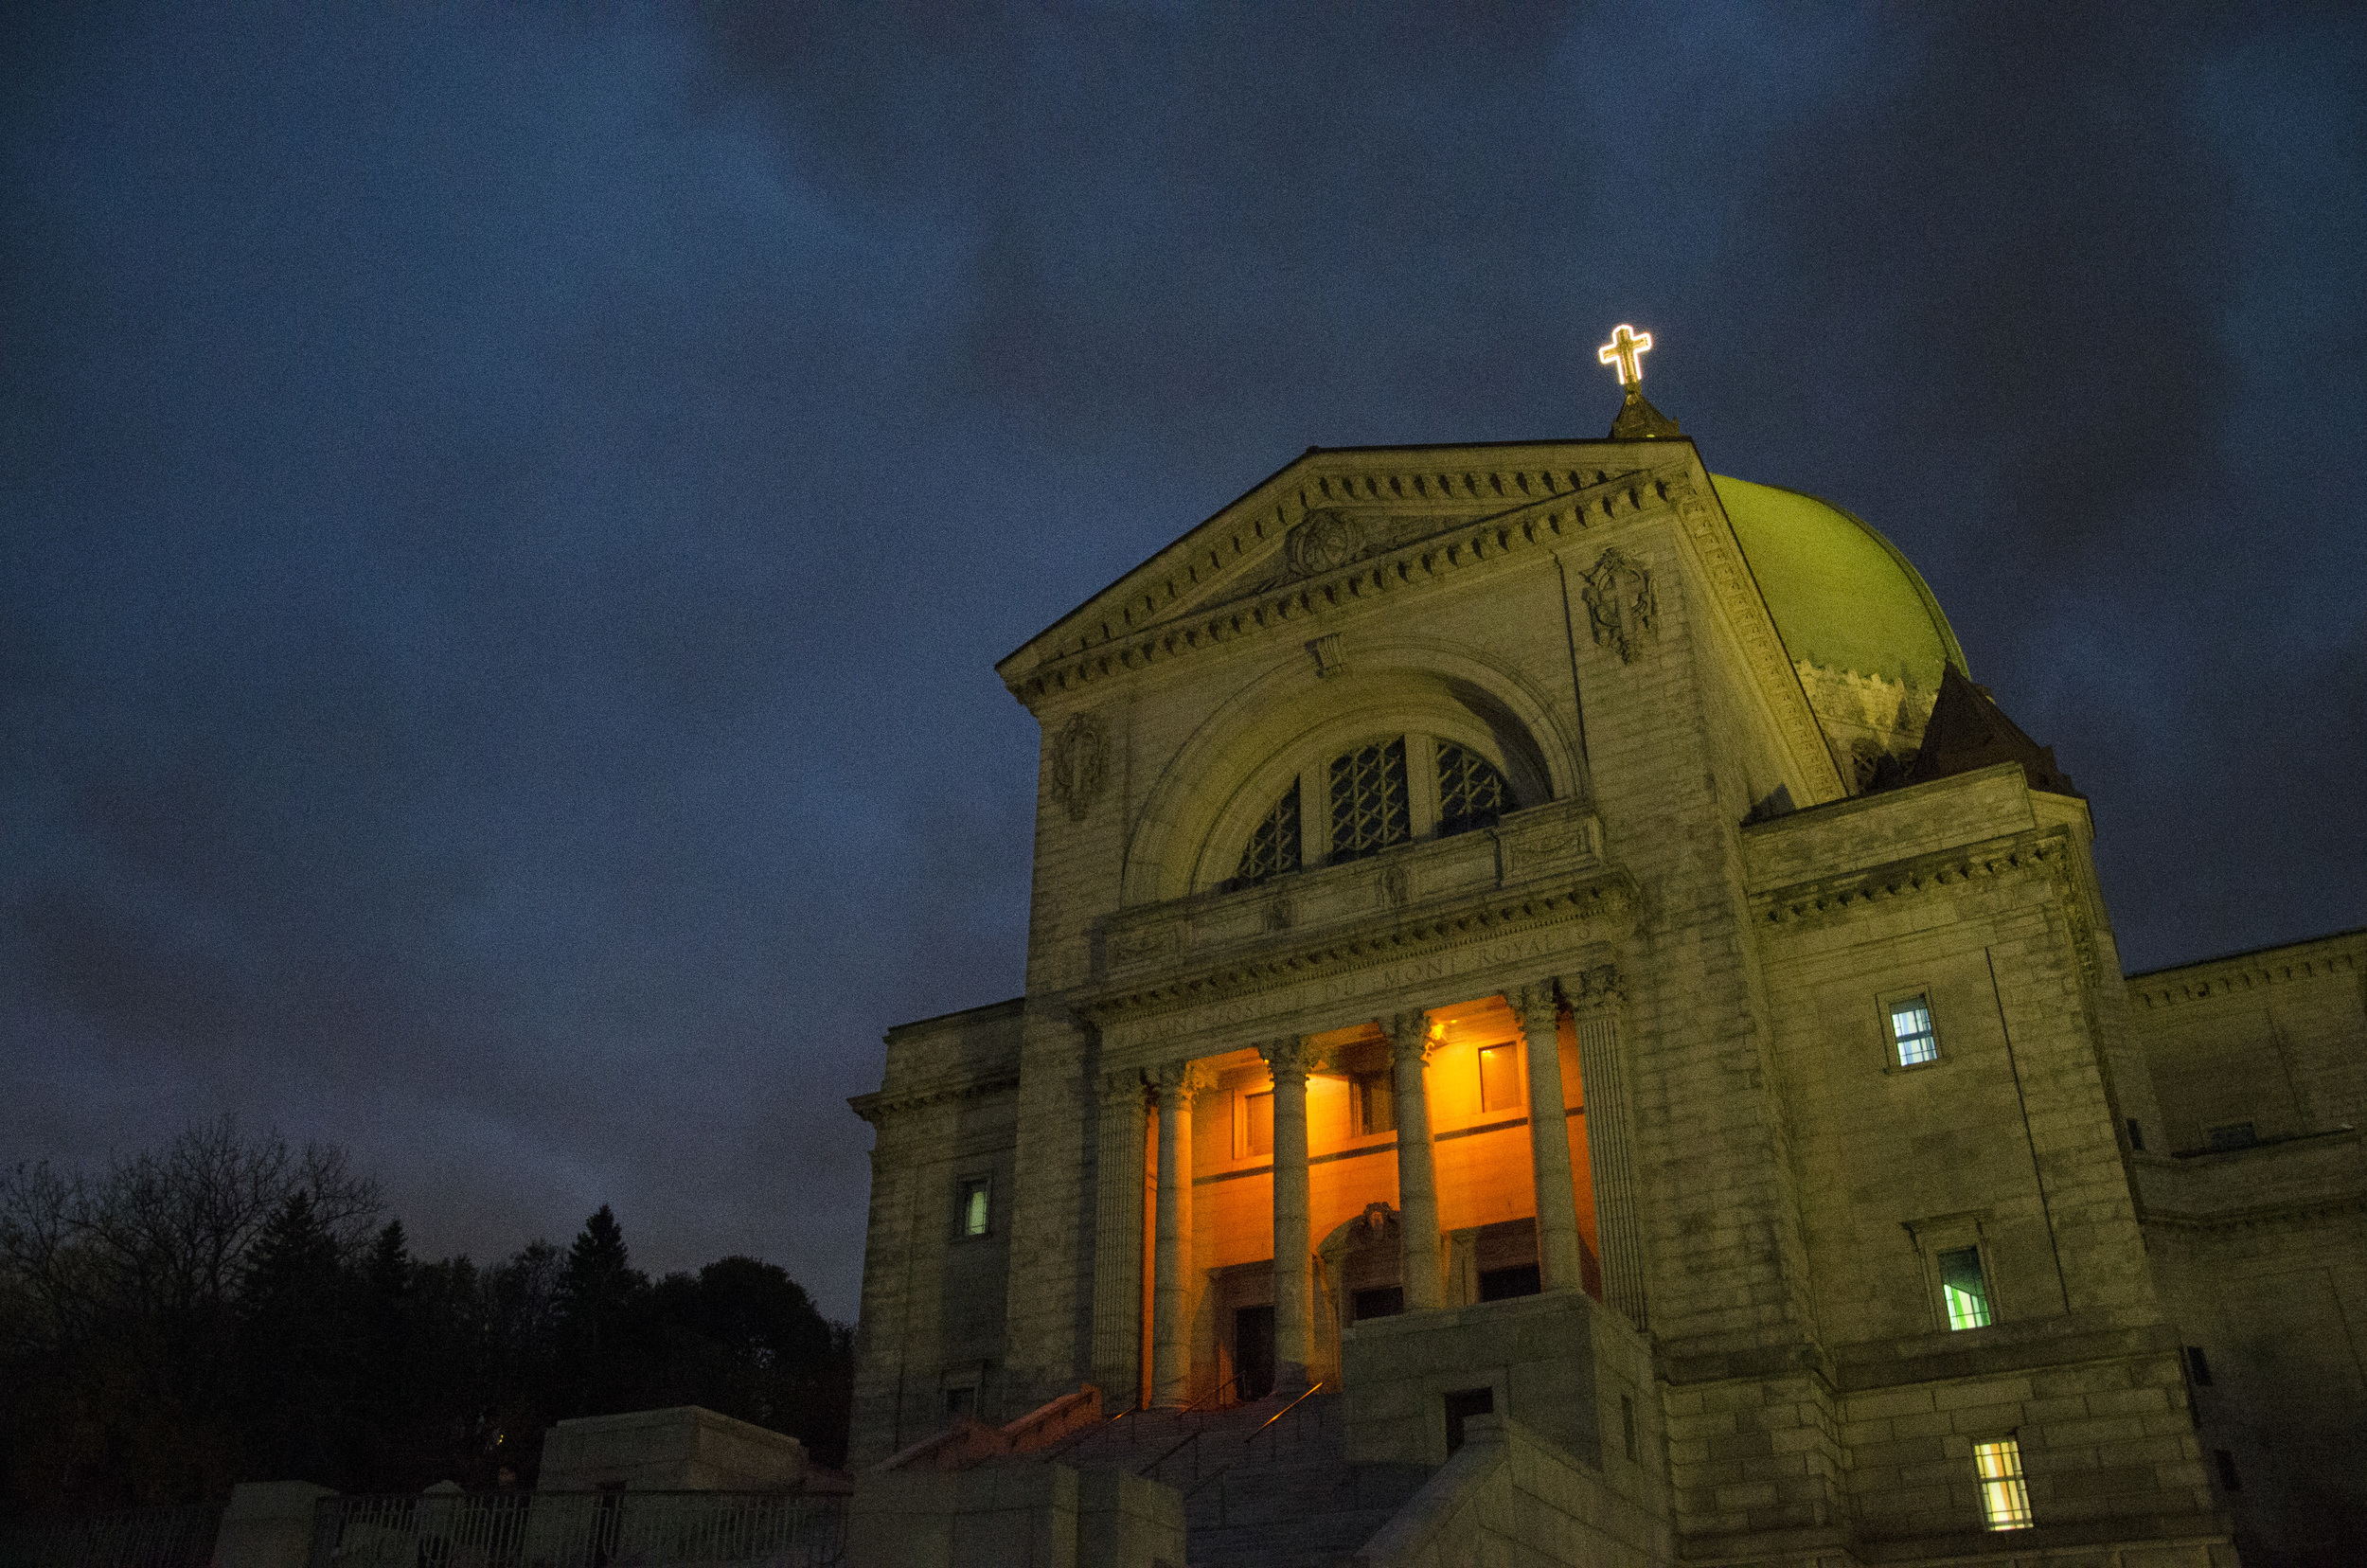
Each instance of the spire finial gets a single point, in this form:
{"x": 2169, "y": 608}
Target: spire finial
{"x": 1626, "y": 350}
{"x": 1638, "y": 420}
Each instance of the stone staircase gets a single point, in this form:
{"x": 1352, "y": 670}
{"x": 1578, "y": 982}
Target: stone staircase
{"x": 1265, "y": 1485}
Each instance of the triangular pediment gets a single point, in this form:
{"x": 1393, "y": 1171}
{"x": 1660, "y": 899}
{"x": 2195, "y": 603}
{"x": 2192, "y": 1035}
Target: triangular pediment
{"x": 1335, "y": 512}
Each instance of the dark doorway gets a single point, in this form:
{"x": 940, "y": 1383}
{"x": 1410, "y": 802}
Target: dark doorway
{"x": 1252, "y": 1351}
{"x": 1460, "y": 1406}
{"x": 1503, "y": 1284}
{"x": 1379, "y": 1302}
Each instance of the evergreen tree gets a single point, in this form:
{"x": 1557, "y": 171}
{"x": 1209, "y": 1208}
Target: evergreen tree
{"x": 600, "y": 1296}
{"x": 297, "y": 1327}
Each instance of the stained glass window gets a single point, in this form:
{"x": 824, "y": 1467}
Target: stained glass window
{"x": 1471, "y": 793}
{"x": 1963, "y": 1288}
{"x": 1273, "y": 845}
{"x": 2004, "y": 1495}
{"x": 1368, "y": 800}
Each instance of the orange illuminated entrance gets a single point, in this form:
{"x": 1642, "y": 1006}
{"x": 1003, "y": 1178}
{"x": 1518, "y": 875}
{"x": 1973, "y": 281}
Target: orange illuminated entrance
{"x": 1476, "y": 1084}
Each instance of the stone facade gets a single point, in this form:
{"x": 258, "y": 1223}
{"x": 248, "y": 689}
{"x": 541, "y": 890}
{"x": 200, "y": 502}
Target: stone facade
{"x": 1691, "y": 920}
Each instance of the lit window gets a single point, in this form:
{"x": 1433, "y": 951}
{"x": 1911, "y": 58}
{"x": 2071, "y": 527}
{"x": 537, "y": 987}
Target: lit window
{"x": 1273, "y": 845}
{"x": 1368, "y": 800}
{"x": 1376, "y": 1103}
{"x": 1963, "y": 1290}
{"x": 1471, "y": 792}
{"x": 974, "y": 1208}
{"x": 1910, "y": 1031}
{"x": 1500, "y": 1077}
{"x": 2004, "y": 1496}
{"x": 1257, "y": 1125}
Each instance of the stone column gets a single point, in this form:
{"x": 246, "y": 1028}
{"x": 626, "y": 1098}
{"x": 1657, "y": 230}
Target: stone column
{"x": 1171, "y": 1316}
{"x": 1293, "y": 1273}
{"x": 1594, "y": 1011}
{"x": 1118, "y": 1243}
{"x": 1417, "y": 1178}
{"x": 1537, "y": 1006}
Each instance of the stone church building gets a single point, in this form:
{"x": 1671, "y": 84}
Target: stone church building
{"x": 1548, "y": 948}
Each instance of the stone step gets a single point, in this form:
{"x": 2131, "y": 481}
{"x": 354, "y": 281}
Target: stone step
{"x": 1319, "y": 1537}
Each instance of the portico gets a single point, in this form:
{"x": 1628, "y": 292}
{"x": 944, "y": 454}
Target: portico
{"x": 1463, "y": 1126}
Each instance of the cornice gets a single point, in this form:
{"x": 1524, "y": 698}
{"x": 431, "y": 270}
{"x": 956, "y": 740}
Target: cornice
{"x": 2324, "y": 958}
{"x": 1735, "y": 587}
{"x": 875, "y": 1107}
{"x": 2042, "y": 850}
{"x": 1610, "y": 895}
{"x": 2297, "y": 1211}
{"x": 1549, "y": 506}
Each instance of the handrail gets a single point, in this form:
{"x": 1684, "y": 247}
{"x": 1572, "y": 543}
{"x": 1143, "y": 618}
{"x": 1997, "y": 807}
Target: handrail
{"x": 1311, "y": 1390}
{"x": 1194, "y": 1435}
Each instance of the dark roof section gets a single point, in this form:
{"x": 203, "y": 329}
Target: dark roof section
{"x": 1640, "y": 421}
{"x": 1968, "y": 731}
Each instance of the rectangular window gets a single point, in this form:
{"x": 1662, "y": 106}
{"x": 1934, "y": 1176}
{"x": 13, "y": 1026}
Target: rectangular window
{"x": 1258, "y": 1123}
{"x": 2234, "y": 1135}
{"x": 2199, "y": 1365}
{"x": 974, "y": 1205}
{"x": 1376, "y": 1103}
{"x": 1626, "y": 1424}
{"x": 1380, "y": 1301}
{"x": 1963, "y": 1289}
{"x": 1518, "y": 1279}
{"x": 2229, "y": 1479}
{"x": 1500, "y": 1077}
{"x": 960, "y": 1401}
{"x": 2004, "y": 1496}
{"x": 1910, "y": 1031}
{"x": 2136, "y": 1135}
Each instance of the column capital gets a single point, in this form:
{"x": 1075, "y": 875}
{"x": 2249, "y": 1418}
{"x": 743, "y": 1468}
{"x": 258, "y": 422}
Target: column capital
{"x": 1291, "y": 1054}
{"x": 1120, "y": 1084}
{"x": 1408, "y": 1033}
{"x": 1184, "y": 1078}
{"x": 1536, "y": 1006}
{"x": 1590, "y": 989}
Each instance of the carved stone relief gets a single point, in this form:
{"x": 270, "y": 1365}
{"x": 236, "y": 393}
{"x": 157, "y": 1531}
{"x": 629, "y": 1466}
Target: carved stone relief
{"x": 1619, "y": 602}
{"x": 1326, "y": 541}
{"x": 1078, "y": 762}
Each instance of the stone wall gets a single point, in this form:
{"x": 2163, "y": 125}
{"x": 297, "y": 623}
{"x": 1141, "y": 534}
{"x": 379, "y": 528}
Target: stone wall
{"x": 2261, "y": 1248}
{"x": 1041, "y": 1515}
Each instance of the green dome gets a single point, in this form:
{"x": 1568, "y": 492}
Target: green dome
{"x": 1842, "y": 595}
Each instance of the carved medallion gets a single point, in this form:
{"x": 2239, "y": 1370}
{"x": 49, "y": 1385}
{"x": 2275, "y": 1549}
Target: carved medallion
{"x": 1076, "y": 757}
{"x": 1397, "y": 886}
{"x": 1619, "y": 602}
{"x": 1324, "y": 541}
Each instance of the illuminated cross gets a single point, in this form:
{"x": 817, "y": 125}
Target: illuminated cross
{"x": 1626, "y": 346}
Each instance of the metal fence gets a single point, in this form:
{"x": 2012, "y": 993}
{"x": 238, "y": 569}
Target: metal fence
{"x": 615, "y": 1529}
{"x": 141, "y": 1538}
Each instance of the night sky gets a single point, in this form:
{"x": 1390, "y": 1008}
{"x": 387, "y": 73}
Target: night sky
{"x": 506, "y": 518}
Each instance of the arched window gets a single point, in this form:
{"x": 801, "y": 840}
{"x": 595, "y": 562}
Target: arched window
{"x": 1369, "y": 810}
{"x": 1274, "y": 847}
{"x": 1360, "y": 802}
{"x": 1471, "y": 793}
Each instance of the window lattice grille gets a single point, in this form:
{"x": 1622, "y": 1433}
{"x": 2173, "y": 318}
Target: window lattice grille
{"x": 1368, "y": 804}
{"x": 1273, "y": 845}
{"x": 2004, "y": 1494}
{"x": 1965, "y": 1289}
{"x": 1471, "y": 792}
